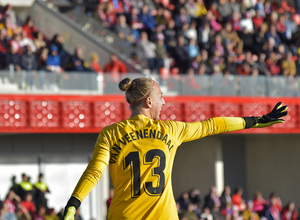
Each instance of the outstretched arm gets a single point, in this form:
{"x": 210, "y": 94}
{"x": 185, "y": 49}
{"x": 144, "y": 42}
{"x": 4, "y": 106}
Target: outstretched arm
{"x": 89, "y": 178}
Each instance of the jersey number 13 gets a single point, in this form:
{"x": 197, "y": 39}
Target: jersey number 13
{"x": 133, "y": 160}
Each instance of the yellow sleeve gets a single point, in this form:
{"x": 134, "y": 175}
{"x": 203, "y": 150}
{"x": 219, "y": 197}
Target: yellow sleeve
{"x": 94, "y": 170}
{"x": 196, "y": 130}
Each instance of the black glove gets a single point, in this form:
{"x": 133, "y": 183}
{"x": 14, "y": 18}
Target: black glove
{"x": 70, "y": 209}
{"x": 274, "y": 117}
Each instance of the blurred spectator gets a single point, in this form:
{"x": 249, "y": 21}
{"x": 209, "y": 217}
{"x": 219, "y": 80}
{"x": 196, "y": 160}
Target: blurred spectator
{"x": 15, "y": 42}
{"x": 14, "y": 185}
{"x": 25, "y": 186}
{"x": 41, "y": 189}
{"x": 206, "y": 214}
{"x": 134, "y": 59}
{"x": 195, "y": 197}
{"x": 258, "y": 203}
{"x": 22, "y": 213}
{"x": 160, "y": 52}
{"x": 148, "y": 49}
{"x": 272, "y": 64}
{"x": 10, "y": 202}
{"x": 224, "y": 10}
{"x": 184, "y": 201}
{"x": 272, "y": 212}
{"x": 181, "y": 18}
{"x": 181, "y": 56}
{"x": 29, "y": 66}
{"x": 249, "y": 213}
{"x": 237, "y": 199}
{"x": 160, "y": 18}
{"x": 259, "y": 6}
{"x": 274, "y": 200}
{"x": 13, "y": 62}
{"x": 10, "y": 15}
{"x": 53, "y": 60}
{"x": 231, "y": 64}
{"x": 42, "y": 58}
{"x": 196, "y": 63}
{"x": 261, "y": 65}
{"x": 288, "y": 65}
{"x": 123, "y": 29}
{"x": 200, "y": 9}
{"x": 289, "y": 212}
{"x": 95, "y": 66}
{"x": 39, "y": 41}
{"x": 30, "y": 28}
{"x": 39, "y": 213}
{"x": 231, "y": 37}
{"x": 235, "y": 21}
{"x": 170, "y": 35}
{"x": 5, "y": 213}
{"x": 212, "y": 199}
{"x": 115, "y": 65}
{"x": 225, "y": 196}
{"x": 193, "y": 48}
{"x": 190, "y": 213}
{"x": 78, "y": 64}
{"x": 147, "y": 19}
{"x": 28, "y": 204}
{"x": 273, "y": 34}
{"x": 260, "y": 38}
{"x": 205, "y": 36}
{"x": 257, "y": 20}
{"x": 26, "y": 41}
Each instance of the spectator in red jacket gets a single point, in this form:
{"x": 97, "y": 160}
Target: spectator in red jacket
{"x": 289, "y": 212}
{"x": 28, "y": 203}
{"x": 237, "y": 200}
{"x": 115, "y": 65}
{"x": 29, "y": 28}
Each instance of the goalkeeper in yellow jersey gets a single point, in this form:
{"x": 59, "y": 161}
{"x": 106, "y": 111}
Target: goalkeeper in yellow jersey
{"x": 140, "y": 152}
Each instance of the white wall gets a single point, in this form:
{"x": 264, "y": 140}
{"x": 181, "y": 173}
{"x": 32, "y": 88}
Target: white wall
{"x": 60, "y": 178}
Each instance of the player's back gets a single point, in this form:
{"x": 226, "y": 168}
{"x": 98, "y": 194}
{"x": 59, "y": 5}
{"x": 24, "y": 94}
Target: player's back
{"x": 142, "y": 152}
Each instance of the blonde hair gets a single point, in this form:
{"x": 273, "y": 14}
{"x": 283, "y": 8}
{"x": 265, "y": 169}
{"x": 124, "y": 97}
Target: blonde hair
{"x": 137, "y": 89}
{"x": 94, "y": 57}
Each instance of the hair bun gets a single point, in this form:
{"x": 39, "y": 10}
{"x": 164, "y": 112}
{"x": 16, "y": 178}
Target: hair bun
{"x": 125, "y": 84}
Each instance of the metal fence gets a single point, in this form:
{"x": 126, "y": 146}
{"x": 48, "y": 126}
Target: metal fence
{"x": 42, "y": 82}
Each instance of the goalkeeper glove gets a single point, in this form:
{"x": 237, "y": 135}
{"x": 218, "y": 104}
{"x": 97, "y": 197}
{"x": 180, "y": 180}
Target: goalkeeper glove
{"x": 269, "y": 119}
{"x": 70, "y": 209}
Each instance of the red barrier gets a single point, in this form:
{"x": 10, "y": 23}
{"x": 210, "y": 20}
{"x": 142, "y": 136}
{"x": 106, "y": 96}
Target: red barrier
{"x": 89, "y": 114}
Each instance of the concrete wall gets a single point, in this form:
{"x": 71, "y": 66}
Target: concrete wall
{"x": 272, "y": 164}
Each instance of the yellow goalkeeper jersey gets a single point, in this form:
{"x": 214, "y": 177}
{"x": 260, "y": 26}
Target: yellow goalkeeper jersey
{"x": 140, "y": 152}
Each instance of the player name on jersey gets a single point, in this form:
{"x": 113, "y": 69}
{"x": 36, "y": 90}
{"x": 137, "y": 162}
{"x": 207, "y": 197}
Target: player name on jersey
{"x": 136, "y": 135}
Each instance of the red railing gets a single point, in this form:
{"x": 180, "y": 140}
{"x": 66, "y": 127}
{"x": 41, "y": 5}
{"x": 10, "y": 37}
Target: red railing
{"x": 89, "y": 114}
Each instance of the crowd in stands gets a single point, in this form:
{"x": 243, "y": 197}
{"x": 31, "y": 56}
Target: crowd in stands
{"x": 239, "y": 37}
{"x": 26, "y": 51}
{"x": 195, "y": 37}
{"x": 28, "y": 201}
{"x": 232, "y": 205}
